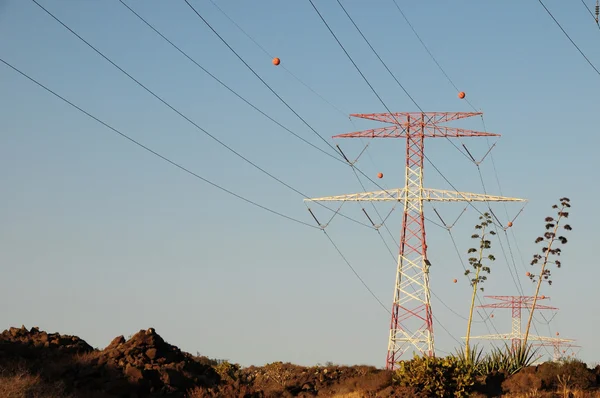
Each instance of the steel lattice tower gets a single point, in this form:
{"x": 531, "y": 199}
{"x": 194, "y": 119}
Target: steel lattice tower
{"x": 516, "y": 304}
{"x": 411, "y": 315}
{"x": 556, "y": 344}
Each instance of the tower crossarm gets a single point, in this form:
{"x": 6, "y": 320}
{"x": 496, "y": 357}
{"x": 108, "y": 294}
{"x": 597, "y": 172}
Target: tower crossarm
{"x": 402, "y": 130}
{"x": 517, "y": 305}
{"x": 427, "y": 194}
{"x": 515, "y": 302}
{"x": 510, "y": 336}
{"x": 431, "y": 117}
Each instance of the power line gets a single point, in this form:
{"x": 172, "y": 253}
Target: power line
{"x": 151, "y": 150}
{"x": 273, "y": 91}
{"x": 185, "y": 117}
{"x": 372, "y": 49}
{"x": 271, "y": 56}
{"x": 590, "y": 11}
{"x": 569, "y": 37}
{"x": 385, "y": 66}
{"x": 383, "y": 103}
{"x": 258, "y": 76}
{"x": 225, "y": 85}
{"x": 355, "y": 273}
{"x": 429, "y": 52}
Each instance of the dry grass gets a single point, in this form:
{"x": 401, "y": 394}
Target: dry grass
{"x": 567, "y": 393}
{"x": 26, "y": 385}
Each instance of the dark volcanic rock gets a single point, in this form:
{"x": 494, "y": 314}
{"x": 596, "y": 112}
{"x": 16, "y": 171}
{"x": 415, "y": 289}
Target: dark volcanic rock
{"x": 143, "y": 366}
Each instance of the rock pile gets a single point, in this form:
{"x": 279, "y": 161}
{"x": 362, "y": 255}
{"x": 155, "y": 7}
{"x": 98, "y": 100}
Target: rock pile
{"x": 142, "y": 366}
{"x": 154, "y": 366}
{"x": 35, "y": 343}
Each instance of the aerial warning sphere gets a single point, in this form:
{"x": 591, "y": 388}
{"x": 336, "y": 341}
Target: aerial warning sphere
{"x": 461, "y": 95}
{"x": 454, "y": 281}
{"x": 543, "y": 297}
{"x": 379, "y": 175}
{"x": 528, "y": 274}
{"x": 492, "y": 315}
{"x": 276, "y": 61}
{"x": 557, "y": 333}
{"x": 509, "y": 224}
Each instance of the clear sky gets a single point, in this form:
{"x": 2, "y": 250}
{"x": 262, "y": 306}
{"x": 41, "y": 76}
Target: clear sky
{"x": 100, "y": 238}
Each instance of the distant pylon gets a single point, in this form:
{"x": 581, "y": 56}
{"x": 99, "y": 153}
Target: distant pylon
{"x": 558, "y": 346}
{"x": 411, "y": 315}
{"x": 516, "y": 304}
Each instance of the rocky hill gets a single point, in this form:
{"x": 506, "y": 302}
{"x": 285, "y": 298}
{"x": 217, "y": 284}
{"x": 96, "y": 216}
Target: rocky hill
{"x": 37, "y": 364}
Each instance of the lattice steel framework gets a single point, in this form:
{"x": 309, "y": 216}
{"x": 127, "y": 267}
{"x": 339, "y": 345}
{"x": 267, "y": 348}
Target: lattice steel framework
{"x": 557, "y": 345}
{"x": 516, "y": 304}
{"x": 411, "y": 316}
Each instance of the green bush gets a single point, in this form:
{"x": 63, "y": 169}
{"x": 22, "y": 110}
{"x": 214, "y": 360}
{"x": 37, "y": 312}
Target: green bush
{"x": 439, "y": 377}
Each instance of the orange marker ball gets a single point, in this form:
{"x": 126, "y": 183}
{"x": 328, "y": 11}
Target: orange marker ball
{"x": 509, "y": 224}
{"x": 454, "y": 281}
{"x": 276, "y": 61}
{"x": 492, "y": 315}
{"x": 379, "y": 175}
{"x": 528, "y": 274}
{"x": 543, "y": 297}
{"x": 461, "y": 95}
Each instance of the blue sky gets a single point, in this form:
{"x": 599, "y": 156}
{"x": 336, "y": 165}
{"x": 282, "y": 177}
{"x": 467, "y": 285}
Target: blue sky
{"x": 99, "y": 238}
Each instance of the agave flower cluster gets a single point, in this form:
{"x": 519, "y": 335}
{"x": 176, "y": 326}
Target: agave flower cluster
{"x": 484, "y": 244}
{"x": 550, "y": 239}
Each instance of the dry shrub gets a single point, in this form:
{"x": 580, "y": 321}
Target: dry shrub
{"x": 26, "y": 385}
{"x": 522, "y": 382}
{"x": 574, "y": 373}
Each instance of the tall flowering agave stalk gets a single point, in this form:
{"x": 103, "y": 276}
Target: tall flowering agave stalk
{"x": 477, "y": 263}
{"x": 549, "y": 251}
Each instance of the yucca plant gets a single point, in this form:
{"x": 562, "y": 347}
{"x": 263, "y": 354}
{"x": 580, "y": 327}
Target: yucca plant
{"x": 549, "y": 252}
{"x": 477, "y": 263}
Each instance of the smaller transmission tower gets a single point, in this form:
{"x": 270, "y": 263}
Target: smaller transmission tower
{"x": 516, "y": 304}
{"x": 559, "y": 346}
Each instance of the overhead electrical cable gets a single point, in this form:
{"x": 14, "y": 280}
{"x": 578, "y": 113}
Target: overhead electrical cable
{"x": 282, "y": 66}
{"x": 383, "y": 63}
{"x": 383, "y": 103}
{"x": 260, "y": 78}
{"x": 335, "y": 157}
{"x": 179, "y": 166}
{"x": 569, "y": 37}
{"x": 164, "y": 102}
{"x": 591, "y": 13}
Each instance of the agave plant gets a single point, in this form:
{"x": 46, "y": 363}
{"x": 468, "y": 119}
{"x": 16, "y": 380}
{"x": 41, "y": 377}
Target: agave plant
{"x": 508, "y": 359}
{"x": 549, "y": 252}
{"x": 478, "y": 266}
{"x": 474, "y": 359}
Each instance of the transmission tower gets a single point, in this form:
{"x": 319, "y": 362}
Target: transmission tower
{"x": 558, "y": 345}
{"x": 411, "y": 316}
{"x": 516, "y": 304}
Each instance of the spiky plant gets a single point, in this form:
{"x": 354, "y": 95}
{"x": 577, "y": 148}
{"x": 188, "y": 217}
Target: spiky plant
{"x": 549, "y": 252}
{"x": 477, "y": 263}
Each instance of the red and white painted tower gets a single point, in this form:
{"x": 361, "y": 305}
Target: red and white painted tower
{"x": 411, "y": 316}
{"x": 516, "y": 336}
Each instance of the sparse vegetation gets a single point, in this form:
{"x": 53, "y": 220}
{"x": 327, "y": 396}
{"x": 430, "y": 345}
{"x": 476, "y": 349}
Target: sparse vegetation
{"x": 146, "y": 366}
{"x": 437, "y": 377}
